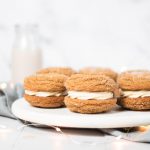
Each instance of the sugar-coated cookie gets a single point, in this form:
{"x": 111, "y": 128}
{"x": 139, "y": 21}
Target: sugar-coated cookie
{"x": 135, "y": 87}
{"x": 61, "y": 70}
{"x": 90, "y": 93}
{"x": 98, "y": 70}
{"x": 45, "y": 90}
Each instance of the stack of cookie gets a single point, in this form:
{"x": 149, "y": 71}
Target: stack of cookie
{"x": 99, "y": 70}
{"x": 46, "y": 88}
{"x": 135, "y": 87}
{"x": 91, "y": 90}
{"x": 89, "y": 93}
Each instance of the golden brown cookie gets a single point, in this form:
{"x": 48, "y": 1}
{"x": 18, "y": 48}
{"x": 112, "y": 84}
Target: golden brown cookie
{"x": 134, "y": 80}
{"x": 90, "y": 93}
{"x": 89, "y": 106}
{"x": 45, "y": 90}
{"x": 45, "y": 82}
{"x": 90, "y": 82}
{"x": 98, "y": 70}
{"x": 61, "y": 70}
{"x": 45, "y": 102}
{"x": 135, "y": 103}
{"x": 135, "y": 87}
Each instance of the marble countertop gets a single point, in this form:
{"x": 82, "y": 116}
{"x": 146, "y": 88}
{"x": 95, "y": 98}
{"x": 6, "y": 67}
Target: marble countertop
{"x": 13, "y": 136}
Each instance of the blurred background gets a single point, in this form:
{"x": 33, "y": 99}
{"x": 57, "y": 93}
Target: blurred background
{"x": 80, "y": 33}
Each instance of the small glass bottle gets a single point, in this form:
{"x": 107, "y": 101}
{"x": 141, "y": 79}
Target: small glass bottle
{"x": 26, "y": 54}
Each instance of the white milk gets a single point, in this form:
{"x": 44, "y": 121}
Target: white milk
{"x": 25, "y": 63}
{"x": 26, "y": 54}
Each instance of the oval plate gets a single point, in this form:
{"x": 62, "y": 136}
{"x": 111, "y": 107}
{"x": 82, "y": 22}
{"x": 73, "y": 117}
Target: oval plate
{"x": 62, "y": 117}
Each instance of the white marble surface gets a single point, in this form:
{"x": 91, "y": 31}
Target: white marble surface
{"x": 12, "y": 138}
{"x": 81, "y": 33}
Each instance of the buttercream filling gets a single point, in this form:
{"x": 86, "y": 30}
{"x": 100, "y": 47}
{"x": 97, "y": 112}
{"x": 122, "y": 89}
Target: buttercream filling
{"x": 135, "y": 94}
{"x": 44, "y": 94}
{"x": 90, "y": 95}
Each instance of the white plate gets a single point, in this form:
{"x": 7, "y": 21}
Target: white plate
{"x": 64, "y": 118}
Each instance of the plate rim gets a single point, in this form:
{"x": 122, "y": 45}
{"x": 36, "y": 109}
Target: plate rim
{"x": 29, "y": 116}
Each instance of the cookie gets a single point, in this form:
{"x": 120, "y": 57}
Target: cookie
{"x": 90, "y": 93}
{"x": 61, "y": 70}
{"x": 135, "y": 87}
{"x": 45, "y": 90}
{"x": 97, "y": 70}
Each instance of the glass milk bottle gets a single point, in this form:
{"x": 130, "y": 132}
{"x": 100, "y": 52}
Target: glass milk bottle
{"x": 26, "y": 54}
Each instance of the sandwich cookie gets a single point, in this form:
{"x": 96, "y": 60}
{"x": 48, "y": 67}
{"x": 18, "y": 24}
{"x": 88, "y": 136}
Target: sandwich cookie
{"x": 45, "y": 90}
{"x": 60, "y": 70}
{"x": 90, "y": 93}
{"x": 135, "y": 87}
{"x": 97, "y": 70}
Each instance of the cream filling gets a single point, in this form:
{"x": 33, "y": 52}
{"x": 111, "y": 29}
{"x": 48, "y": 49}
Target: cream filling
{"x": 44, "y": 94}
{"x": 90, "y": 95}
{"x": 135, "y": 94}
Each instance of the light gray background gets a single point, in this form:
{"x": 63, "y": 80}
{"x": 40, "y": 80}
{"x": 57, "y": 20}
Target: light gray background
{"x": 81, "y": 33}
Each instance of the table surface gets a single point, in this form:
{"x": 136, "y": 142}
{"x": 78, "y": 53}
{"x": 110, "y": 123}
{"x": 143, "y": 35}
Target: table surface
{"x": 13, "y": 136}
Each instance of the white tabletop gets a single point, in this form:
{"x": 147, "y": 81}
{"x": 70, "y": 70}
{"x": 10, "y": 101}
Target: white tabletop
{"x": 13, "y": 137}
